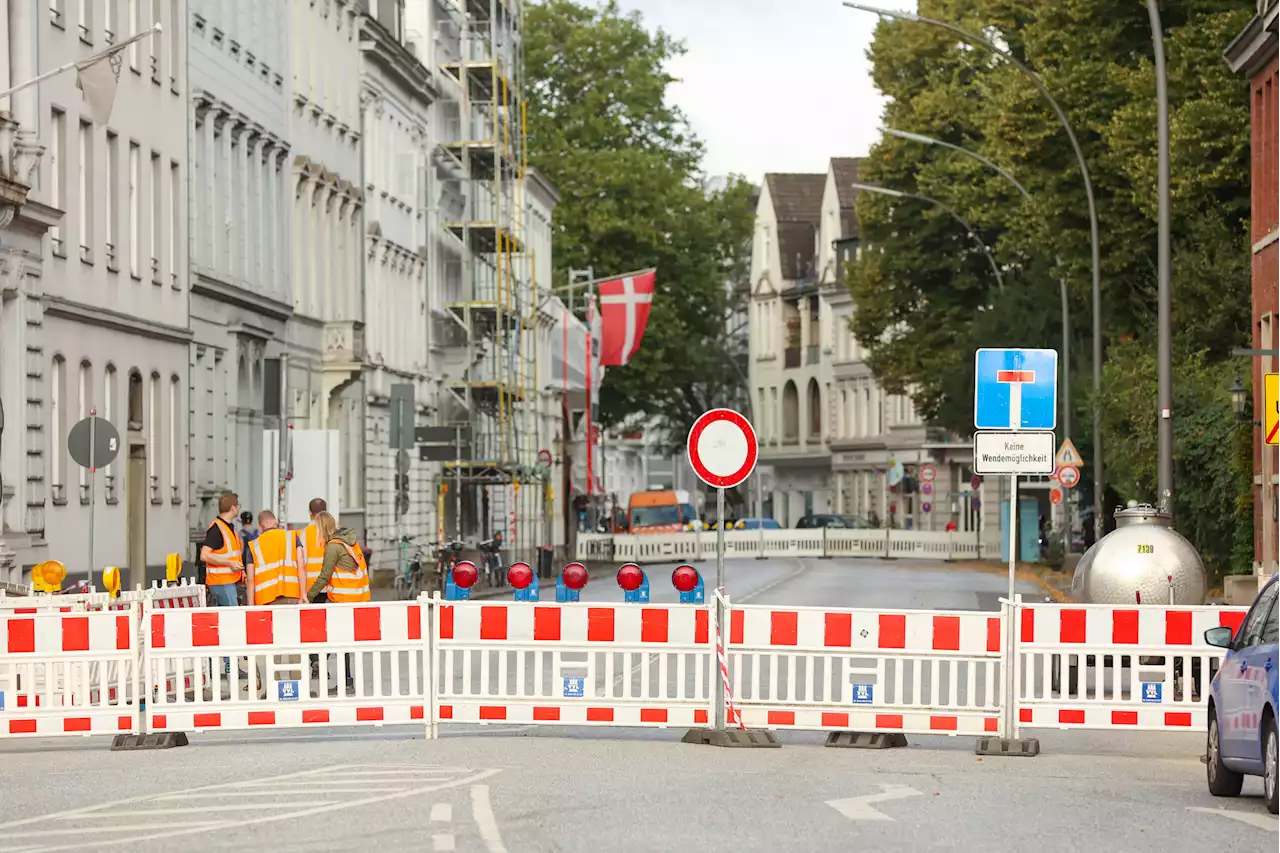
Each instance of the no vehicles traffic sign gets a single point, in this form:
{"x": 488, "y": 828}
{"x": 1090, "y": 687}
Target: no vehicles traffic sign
{"x": 722, "y": 448}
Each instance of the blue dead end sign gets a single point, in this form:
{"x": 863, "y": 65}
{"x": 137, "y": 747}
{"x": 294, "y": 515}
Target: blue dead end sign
{"x": 1015, "y": 389}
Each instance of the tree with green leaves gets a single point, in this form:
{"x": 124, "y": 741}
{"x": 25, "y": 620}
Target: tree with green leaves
{"x": 633, "y": 196}
{"x": 926, "y": 299}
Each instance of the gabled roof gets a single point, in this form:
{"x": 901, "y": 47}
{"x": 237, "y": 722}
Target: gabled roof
{"x": 845, "y": 172}
{"x": 797, "y": 207}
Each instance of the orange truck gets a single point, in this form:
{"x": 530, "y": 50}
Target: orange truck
{"x": 660, "y": 511}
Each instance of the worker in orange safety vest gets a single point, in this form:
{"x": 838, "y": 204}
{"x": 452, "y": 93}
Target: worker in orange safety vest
{"x": 311, "y": 544}
{"x": 275, "y": 576}
{"x": 222, "y": 554}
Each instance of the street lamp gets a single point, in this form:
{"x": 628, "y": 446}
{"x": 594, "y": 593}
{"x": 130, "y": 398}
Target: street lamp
{"x": 967, "y": 227}
{"x": 1093, "y": 224}
{"x": 1062, "y": 285}
{"x": 1239, "y": 399}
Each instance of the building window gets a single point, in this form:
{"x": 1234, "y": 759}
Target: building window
{"x": 153, "y": 438}
{"x": 172, "y": 222}
{"x": 55, "y": 12}
{"x": 113, "y": 197}
{"x": 85, "y": 386}
{"x": 135, "y": 400}
{"x": 174, "y": 37}
{"x": 57, "y": 172}
{"x": 133, "y": 30}
{"x": 135, "y": 210}
{"x": 110, "y": 408}
{"x": 86, "y": 191}
{"x": 58, "y": 429}
{"x": 154, "y": 213}
{"x": 175, "y": 439}
{"x": 85, "y": 21}
{"x": 109, "y": 22}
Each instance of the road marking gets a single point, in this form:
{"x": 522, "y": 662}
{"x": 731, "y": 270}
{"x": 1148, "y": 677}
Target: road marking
{"x": 443, "y": 842}
{"x": 241, "y": 807}
{"x": 1266, "y": 822}
{"x": 441, "y": 813}
{"x": 116, "y": 817}
{"x": 482, "y": 812}
{"x": 802, "y": 568}
{"x": 859, "y": 808}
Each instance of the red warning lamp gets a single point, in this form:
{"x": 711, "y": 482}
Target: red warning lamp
{"x": 464, "y": 574}
{"x": 630, "y": 576}
{"x": 684, "y": 578}
{"x": 519, "y": 575}
{"x": 574, "y": 576}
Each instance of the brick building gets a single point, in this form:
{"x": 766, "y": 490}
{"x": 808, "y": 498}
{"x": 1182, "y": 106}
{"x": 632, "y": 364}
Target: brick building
{"x": 1253, "y": 54}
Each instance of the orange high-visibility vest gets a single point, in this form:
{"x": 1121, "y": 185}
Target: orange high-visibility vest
{"x": 311, "y": 552}
{"x": 275, "y": 568}
{"x": 231, "y": 551}
{"x": 346, "y": 585}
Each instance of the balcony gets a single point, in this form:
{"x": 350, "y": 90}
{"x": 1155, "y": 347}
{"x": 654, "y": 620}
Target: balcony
{"x": 792, "y": 357}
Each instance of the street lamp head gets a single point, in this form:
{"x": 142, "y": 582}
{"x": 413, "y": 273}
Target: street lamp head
{"x": 888, "y": 13}
{"x": 878, "y": 190}
{"x": 906, "y": 134}
{"x": 1239, "y": 399}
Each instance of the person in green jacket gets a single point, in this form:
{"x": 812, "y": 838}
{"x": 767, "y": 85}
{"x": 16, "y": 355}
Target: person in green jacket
{"x": 335, "y": 556}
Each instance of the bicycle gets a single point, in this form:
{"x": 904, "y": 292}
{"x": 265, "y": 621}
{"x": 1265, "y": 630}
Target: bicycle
{"x": 491, "y": 560}
{"x": 412, "y": 580}
{"x": 446, "y": 559}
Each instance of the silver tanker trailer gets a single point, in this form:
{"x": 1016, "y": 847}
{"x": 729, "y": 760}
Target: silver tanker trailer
{"x": 1143, "y": 561}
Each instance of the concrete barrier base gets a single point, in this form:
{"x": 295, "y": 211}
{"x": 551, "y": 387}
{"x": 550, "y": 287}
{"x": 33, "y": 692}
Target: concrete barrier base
{"x": 866, "y": 740}
{"x": 1028, "y": 747}
{"x": 155, "y": 740}
{"x": 733, "y": 738}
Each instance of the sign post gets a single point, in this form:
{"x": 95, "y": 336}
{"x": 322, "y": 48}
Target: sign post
{"x": 1015, "y": 409}
{"x": 93, "y": 443}
{"x": 722, "y": 451}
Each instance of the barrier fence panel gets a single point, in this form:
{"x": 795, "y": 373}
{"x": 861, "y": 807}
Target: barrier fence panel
{"x": 931, "y": 672}
{"x": 574, "y": 664}
{"x": 289, "y": 666}
{"x": 694, "y": 546}
{"x": 69, "y": 673}
{"x": 1108, "y": 667}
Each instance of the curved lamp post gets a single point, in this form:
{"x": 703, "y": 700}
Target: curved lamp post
{"x": 1093, "y": 223}
{"x": 871, "y": 188}
{"x": 1066, "y": 315}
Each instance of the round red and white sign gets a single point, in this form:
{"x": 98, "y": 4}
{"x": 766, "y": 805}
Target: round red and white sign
{"x": 1068, "y": 476}
{"x": 722, "y": 448}
{"x": 1055, "y": 496}
{"x": 928, "y": 473}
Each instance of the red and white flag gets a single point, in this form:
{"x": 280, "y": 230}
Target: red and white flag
{"x": 624, "y": 312}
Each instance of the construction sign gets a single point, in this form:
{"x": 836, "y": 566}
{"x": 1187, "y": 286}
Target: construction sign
{"x": 1068, "y": 455}
{"x": 1271, "y": 407}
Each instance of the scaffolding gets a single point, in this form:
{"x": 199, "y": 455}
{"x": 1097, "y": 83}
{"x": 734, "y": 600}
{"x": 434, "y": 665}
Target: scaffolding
{"x": 493, "y": 302}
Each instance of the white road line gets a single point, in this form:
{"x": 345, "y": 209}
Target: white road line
{"x": 441, "y": 813}
{"x": 443, "y": 842}
{"x": 291, "y": 792}
{"x": 123, "y": 827}
{"x": 802, "y": 568}
{"x": 1265, "y": 822}
{"x": 235, "y": 823}
{"x": 132, "y": 813}
{"x": 482, "y": 811}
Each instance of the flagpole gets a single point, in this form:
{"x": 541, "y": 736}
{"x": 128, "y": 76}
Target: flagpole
{"x": 86, "y": 61}
{"x": 589, "y": 283}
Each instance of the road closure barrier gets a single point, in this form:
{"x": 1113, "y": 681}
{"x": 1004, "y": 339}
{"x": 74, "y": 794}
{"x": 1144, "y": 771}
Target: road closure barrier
{"x": 700, "y": 545}
{"x": 155, "y": 664}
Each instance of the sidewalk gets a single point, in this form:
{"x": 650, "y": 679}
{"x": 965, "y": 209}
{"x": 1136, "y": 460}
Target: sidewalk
{"x": 1056, "y": 585}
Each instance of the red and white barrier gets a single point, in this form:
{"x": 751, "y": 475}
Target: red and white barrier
{"x": 270, "y": 682}
{"x": 867, "y": 670}
{"x": 68, "y": 673}
{"x": 1104, "y": 667}
{"x": 573, "y": 664}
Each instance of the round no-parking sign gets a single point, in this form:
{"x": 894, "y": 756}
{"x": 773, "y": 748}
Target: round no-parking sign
{"x": 722, "y": 448}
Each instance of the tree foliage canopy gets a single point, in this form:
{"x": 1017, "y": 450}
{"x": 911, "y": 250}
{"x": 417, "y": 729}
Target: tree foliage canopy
{"x": 633, "y": 196}
{"x": 926, "y": 298}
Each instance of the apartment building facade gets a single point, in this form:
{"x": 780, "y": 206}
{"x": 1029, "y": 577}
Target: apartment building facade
{"x": 834, "y": 440}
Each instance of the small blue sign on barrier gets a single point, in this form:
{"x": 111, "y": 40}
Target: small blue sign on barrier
{"x": 530, "y": 592}
{"x": 1, "y": 700}
{"x": 1152, "y": 691}
{"x": 453, "y": 592}
{"x": 639, "y": 595}
{"x": 564, "y": 594}
{"x": 574, "y": 686}
{"x": 288, "y": 691}
{"x": 863, "y": 694}
{"x": 697, "y": 595}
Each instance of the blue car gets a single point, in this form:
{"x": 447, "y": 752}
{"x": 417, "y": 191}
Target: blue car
{"x": 1242, "y": 702}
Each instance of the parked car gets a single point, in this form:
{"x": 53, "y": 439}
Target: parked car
{"x": 756, "y": 524}
{"x": 1241, "y": 738}
{"x": 845, "y": 522}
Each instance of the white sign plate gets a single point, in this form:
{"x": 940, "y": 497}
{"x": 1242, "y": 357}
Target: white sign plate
{"x": 1013, "y": 453}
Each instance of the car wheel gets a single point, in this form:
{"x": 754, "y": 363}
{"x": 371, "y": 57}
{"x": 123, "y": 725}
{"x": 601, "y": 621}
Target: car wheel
{"x": 1223, "y": 782}
{"x": 1271, "y": 752}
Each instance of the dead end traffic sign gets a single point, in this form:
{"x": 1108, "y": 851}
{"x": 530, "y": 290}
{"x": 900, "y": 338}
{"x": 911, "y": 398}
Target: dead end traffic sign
{"x": 722, "y": 448}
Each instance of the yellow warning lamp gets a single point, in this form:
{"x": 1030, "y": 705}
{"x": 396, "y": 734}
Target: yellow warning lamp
{"x": 740, "y": 525}
{"x": 111, "y": 580}
{"x": 172, "y": 567}
{"x": 48, "y": 576}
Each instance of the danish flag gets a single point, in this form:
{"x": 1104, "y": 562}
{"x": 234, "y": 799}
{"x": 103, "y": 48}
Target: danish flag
{"x": 624, "y": 310}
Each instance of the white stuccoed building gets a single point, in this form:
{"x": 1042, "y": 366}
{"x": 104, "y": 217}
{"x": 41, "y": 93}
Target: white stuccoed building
{"x": 99, "y": 319}
{"x": 396, "y": 97}
{"x": 241, "y": 194}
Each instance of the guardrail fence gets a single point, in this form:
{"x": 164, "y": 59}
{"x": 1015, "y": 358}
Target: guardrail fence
{"x": 696, "y": 546}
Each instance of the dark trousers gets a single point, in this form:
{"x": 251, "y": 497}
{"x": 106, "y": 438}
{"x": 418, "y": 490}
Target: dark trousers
{"x": 322, "y": 598}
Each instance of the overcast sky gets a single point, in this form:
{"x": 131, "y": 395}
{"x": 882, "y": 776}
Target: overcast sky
{"x": 772, "y": 85}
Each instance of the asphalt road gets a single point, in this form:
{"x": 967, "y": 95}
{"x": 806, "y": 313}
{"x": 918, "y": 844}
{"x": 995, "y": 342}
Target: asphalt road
{"x": 508, "y": 788}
